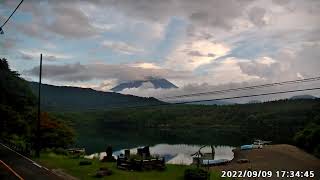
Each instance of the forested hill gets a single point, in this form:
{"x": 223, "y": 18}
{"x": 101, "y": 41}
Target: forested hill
{"x": 284, "y": 121}
{"x": 18, "y": 116}
{"x": 64, "y": 98}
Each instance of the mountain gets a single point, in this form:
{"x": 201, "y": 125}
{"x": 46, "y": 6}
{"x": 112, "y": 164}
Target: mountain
{"x": 213, "y": 102}
{"x": 157, "y": 83}
{"x": 254, "y": 102}
{"x": 63, "y": 98}
{"x": 306, "y": 96}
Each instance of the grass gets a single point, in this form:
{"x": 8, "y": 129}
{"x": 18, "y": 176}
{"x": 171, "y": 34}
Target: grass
{"x": 71, "y": 166}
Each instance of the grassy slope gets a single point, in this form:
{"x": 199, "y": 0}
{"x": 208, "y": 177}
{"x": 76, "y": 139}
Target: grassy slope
{"x": 71, "y": 166}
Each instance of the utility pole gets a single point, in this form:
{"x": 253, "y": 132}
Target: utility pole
{"x": 38, "y": 141}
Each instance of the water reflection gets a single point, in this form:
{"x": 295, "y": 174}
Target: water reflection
{"x": 177, "y": 153}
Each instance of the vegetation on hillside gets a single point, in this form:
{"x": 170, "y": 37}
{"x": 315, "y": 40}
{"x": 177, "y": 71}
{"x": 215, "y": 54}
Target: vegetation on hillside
{"x": 309, "y": 137}
{"x": 63, "y": 98}
{"x": 18, "y": 115}
{"x": 277, "y": 121}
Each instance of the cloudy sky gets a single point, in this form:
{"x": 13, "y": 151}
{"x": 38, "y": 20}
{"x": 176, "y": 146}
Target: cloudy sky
{"x": 197, "y": 45}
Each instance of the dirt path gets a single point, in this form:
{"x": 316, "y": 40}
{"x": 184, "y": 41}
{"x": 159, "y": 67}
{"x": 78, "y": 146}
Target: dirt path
{"x": 274, "y": 157}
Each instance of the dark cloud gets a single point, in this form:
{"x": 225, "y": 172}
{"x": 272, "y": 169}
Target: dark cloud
{"x": 256, "y": 68}
{"x": 211, "y": 55}
{"x": 71, "y": 22}
{"x": 78, "y": 72}
{"x": 66, "y": 18}
{"x": 281, "y": 2}
{"x": 6, "y": 44}
{"x": 256, "y": 15}
{"x": 217, "y": 13}
{"x": 63, "y": 18}
{"x": 26, "y": 56}
{"x": 287, "y": 64}
{"x": 197, "y": 53}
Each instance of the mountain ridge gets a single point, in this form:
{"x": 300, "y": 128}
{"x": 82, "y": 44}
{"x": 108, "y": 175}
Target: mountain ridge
{"x": 68, "y": 98}
{"x": 156, "y": 82}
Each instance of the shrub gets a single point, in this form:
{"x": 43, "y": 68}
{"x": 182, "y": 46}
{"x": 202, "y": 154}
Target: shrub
{"x": 85, "y": 163}
{"x": 196, "y": 174}
{"x": 103, "y": 171}
{"x": 60, "y": 151}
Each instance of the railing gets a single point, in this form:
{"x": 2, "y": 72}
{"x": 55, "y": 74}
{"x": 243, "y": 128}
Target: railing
{"x": 139, "y": 165}
{"x": 25, "y": 150}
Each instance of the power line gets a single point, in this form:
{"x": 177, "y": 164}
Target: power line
{"x": 217, "y": 99}
{"x": 253, "y": 95}
{"x": 10, "y": 16}
{"x": 245, "y": 88}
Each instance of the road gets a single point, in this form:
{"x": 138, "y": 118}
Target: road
{"x": 20, "y": 167}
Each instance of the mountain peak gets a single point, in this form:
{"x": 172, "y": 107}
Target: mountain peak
{"x": 157, "y": 83}
{"x": 305, "y": 96}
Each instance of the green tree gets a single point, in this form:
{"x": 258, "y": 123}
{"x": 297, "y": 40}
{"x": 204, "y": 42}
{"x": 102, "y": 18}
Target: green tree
{"x": 54, "y": 133}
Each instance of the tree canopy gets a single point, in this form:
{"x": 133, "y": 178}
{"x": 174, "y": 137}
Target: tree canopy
{"x": 18, "y": 114}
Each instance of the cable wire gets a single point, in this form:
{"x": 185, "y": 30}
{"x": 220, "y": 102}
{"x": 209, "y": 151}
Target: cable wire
{"x": 244, "y": 88}
{"x": 11, "y": 14}
{"x": 217, "y": 99}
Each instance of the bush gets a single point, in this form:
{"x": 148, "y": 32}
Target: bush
{"x": 60, "y": 151}
{"x": 196, "y": 174}
{"x": 308, "y": 138}
{"x": 85, "y": 163}
{"x": 103, "y": 171}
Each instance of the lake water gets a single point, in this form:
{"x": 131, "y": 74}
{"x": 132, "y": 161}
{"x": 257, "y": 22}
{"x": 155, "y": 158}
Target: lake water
{"x": 177, "y": 153}
{"x": 176, "y": 145}
{"x": 129, "y": 139}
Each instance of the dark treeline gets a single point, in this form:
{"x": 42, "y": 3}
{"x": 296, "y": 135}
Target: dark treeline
{"x": 278, "y": 121}
{"x": 18, "y": 115}
{"x": 274, "y": 119}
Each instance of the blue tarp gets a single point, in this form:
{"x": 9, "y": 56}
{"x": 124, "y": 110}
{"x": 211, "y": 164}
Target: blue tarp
{"x": 245, "y": 147}
{"x": 214, "y": 162}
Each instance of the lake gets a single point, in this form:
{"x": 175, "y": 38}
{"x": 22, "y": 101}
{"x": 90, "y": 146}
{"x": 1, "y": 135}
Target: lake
{"x": 176, "y": 145}
{"x": 176, "y": 153}
{"x": 129, "y": 139}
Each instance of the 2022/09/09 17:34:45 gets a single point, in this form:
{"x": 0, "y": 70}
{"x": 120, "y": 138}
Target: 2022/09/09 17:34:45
{"x": 268, "y": 174}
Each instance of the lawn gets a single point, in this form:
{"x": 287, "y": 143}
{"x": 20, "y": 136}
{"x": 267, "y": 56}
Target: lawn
{"x": 71, "y": 166}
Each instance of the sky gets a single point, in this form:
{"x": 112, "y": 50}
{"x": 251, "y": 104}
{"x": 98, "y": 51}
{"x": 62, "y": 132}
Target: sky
{"x": 197, "y": 45}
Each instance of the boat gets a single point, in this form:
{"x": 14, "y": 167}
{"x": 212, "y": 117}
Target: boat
{"x": 246, "y": 147}
{"x": 261, "y": 142}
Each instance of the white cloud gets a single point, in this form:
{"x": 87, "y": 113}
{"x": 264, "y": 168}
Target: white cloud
{"x": 194, "y": 53}
{"x": 162, "y": 94}
{"x": 146, "y": 65}
{"x": 225, "y": 42}
{"x": 86, "y": 72}
{"x": 121, "y": 47}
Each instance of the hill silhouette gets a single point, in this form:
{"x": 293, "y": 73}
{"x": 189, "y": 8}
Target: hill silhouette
{"x": 65, "y": 98}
